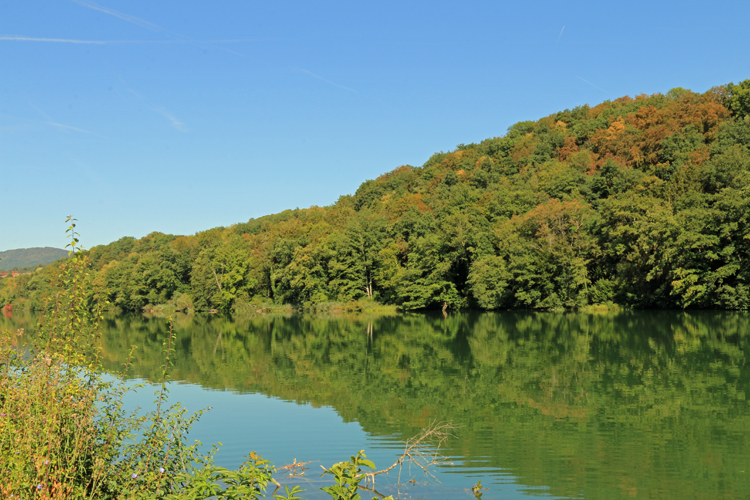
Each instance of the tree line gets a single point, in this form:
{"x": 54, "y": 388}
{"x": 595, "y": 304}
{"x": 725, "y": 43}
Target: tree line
{"x": 642, "y": 201}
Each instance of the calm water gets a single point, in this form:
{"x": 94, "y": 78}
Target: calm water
{"x": 629, "y": 405}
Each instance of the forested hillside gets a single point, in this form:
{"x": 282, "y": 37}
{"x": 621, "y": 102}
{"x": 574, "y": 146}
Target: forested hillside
{"x": 643, "y": 202}
{"x": 22, "y": 258}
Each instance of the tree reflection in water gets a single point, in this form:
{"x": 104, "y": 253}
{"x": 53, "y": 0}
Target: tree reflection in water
{"x": 631, "y": 404}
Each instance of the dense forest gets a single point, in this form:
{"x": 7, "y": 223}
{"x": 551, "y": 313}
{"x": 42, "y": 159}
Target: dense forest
{"x": 28, "y": 259}
{"x": 641, "y": 202}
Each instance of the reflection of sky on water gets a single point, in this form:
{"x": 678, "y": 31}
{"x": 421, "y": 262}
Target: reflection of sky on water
{"x": 283, "y": 431}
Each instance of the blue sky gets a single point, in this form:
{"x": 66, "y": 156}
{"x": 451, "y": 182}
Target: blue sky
{"x": 179, "y": 116}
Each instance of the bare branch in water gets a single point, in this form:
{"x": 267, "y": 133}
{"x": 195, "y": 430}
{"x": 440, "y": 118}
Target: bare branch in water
{"x": 295, "y": 468}
{"x": 422, "y": 451}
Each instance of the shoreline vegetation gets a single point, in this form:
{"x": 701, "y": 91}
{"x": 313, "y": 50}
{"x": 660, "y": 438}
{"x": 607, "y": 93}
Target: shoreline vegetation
{"x": 354, "y": 307}
{"x": 64, "y": 432}
{"x": 640, "y": 202}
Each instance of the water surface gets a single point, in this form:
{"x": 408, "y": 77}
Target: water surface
{"x": 557, "y": 405}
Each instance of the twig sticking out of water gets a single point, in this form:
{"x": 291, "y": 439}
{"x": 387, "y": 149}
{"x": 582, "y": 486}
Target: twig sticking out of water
{"x": 423, "y": 450}
{"x": 295, "y": 468}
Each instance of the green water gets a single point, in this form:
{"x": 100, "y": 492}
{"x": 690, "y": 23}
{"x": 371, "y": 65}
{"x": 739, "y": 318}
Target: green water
{"x": 557, "y": 405}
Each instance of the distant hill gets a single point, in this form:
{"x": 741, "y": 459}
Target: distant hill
{"x": 26, "y": 257}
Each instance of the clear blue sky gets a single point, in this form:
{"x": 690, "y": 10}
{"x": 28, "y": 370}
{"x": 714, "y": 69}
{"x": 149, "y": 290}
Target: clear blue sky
{"x": 178, "y": 116}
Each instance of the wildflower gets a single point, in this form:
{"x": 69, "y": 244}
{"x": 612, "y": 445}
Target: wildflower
{"x": 38, "y": 487}
{"x": 46, "y": 462}
{"x": 161, "y": 470}
{"x": 135, "y": 475}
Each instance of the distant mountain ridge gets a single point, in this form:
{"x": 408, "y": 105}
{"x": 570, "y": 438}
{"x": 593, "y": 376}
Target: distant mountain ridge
{"x": 26, "y": 257}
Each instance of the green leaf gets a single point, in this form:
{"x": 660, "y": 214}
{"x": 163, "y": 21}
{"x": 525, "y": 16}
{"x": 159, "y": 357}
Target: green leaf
{"x": 366, "y": 463}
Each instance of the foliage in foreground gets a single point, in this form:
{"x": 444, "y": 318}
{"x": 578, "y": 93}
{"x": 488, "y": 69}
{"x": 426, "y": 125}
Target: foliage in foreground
{"x": 64, "y": 432}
